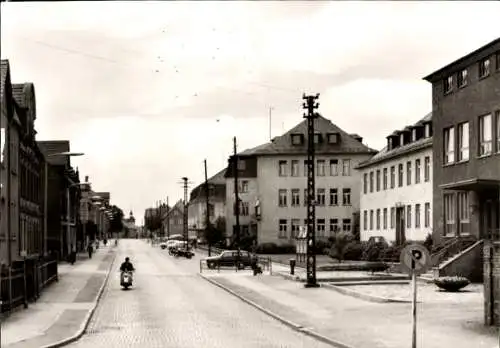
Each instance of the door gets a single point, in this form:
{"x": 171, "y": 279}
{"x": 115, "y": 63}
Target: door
{"x": 491, "y": 218}
{"x": 400, "y": 225}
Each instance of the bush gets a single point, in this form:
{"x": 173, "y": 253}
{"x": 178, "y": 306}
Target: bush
{"x": 354, "y": 251}
{"x": 321, "y": 245}
{"x": 373, "y": 251}
{"x": 428, "y": 242}
{"x": 273, "y": 248}
{"x": 342, "y": 240}
{"x": 452, "y": 284}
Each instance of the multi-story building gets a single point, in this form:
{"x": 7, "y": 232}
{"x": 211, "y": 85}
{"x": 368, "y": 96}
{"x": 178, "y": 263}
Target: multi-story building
{"x": 396, "y": 199}
{"x": 173, "y": 220}
{"x": 197, "y": 208}
{"x": 99, "y": 212}
{"x": 466, "y": 157}
{"x": 10, "y": 127}
{"x": 63, "y": 197}
{"x": 273, "y": 181}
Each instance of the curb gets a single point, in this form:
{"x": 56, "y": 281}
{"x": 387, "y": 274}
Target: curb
{"x": 294, "y": 326}
{"x": 88, "y": 317}
{"x": 366, "y": 297}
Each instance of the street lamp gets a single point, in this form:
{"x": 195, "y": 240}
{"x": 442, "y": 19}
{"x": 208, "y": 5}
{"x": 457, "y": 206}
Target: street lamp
{"x": 68, "y": 226}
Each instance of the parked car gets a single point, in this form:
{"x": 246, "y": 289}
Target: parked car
{"x": 228, "y": 258}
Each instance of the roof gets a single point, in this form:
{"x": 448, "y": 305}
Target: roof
{"x": 179, "y": 207}
{"x": 282, "y": 145}
{"x": 50, "y": 147}
{"x": 217, "y": 179}
{"x": 384, "y": 154}
{"x": 437, "y": 74}
{"x": 104, "y": 195}
{"x": 426, "y": 119}
{"x": 4, "y": 73}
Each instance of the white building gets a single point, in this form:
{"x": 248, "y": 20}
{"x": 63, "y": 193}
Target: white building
{"x": 273, "y": 180}
{"x": 396, "y": 200}
{"x": 198, "y": 204}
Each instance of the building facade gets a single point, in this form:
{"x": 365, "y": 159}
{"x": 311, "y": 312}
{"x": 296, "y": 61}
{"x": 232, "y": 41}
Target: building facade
{"x": 273, "y": 180}
{"x": 197, "y": 208}
{"x": 466, "y": 115}
{"x": 10, "y": 127}
{"x": 173, "y": 220}
{"x": 396, "y": 199}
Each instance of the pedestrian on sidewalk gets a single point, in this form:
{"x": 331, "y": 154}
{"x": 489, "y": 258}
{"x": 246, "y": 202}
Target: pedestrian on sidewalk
{"x": 90, "y": 250}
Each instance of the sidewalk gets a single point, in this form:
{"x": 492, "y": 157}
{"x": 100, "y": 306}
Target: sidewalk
{"x": 64, "y": 307}
{"x": 360, "y": 324}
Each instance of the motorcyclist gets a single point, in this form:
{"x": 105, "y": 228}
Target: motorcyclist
{"x": 127, "y": 266}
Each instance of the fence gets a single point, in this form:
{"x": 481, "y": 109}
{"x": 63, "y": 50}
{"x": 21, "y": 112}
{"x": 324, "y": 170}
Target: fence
{"x": 19, "y": 286}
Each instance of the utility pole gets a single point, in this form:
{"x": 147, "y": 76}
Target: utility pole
{"x": 310, "y": 105}
{"x": 236, "y": 200}
{"x": 208, "y": 230}
{"x": 185, "y": 215}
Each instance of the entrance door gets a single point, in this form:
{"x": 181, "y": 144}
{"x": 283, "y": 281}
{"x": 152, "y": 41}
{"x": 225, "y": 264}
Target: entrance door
{"x": 400, "y": 225}
{"x": 491, "y": 217}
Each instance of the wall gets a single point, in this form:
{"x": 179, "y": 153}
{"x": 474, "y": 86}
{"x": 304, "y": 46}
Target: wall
{"x": 3, "y": 175}
{"x": 251, "y": 197}
{"x": 465, "y": 104}
{"x": 468, "y": 265}
{"x": 492, "y": 284}
{"x": 408, "y": 195}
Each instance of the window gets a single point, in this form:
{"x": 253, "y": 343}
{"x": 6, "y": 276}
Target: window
{"x": 484, "y": 67}
{"x": 297, "y": 139}
{"x": 241, "y": 164}
{"x": 282, "y": 168}
{"x": 378, "y": 180}
{"x": 427, "y": 218}
{"x": 346, "y": 225}
{"x": 385, "y": 178}
{"x": 417, "y": 215}
{"x": 320, "y": 200}
{"x": 317, "y": 138}
{"x": 408, "y": 173}
{"x": 393, "y": 217}
{"x": 463, "y": 213}
{"x": 365, "y": 220}
{"x": 462, "y": 78}
{"x": 449, "y": 145}
{"x": 295, "y": 168}
{"x": 334, "y": 196}
{"x": 334, "y": 167}
{"x": 427, "y": 168}
{"x": 393, "y": 176}
{"x": 306, "y": 197}
{"x": 417, "y": 171}
{"x": 282, "y": 228}
{"x": 295, "y": 197}
{"x": 295, "y": 224}
{"x": 463, "y": 141}
{"x": 378, "y": 219}
{"x": 334, "y": 225}
{"x": 385, "y": 218}
{"x": 371, "y": 220}
{"x": 346, "y": 170}
{"x": 400, "y": 175}
{"x": 449, "y": 213}
{"x": 485, "y": 135}
{"x": 333, "y": 138}
{"x": 244, "y": 209}
{"x": 243, "y": 186}
{"x": 448, "y": 84}
{"x": 408, "y": 216}
{"x": 427, "y": 130}
{"x": 497, "y": 122}
{"x": 306, "y": 168}
{"x": 320, "y": 227}
{"x": 321, "y": 167}
{"x": 282, "y": 197}
{"x": 371, "y": 181}
{"x": 365, "y": 183}
{"x": 346, "y": 196}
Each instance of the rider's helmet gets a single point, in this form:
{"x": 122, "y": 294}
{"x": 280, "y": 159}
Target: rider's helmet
{"x": 127, "y": 259}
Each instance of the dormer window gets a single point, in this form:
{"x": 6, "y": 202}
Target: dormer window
{"x": 333, "y": 138}
{"x": 241, "y": 164}
{"x": 402, "y": 139}
{"x": 389, "y": 143}
{"x": 297, "y": 139}
{"x": 414, "y": 134}
{"x": 427, "y": 130}
{"x": 318, "y": 139}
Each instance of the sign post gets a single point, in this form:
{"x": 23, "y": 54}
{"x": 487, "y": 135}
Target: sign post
{"x": 415, "y": 259}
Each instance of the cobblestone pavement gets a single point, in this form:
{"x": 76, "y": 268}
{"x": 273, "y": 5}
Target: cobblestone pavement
{"x": 62, "y": 307}
{"x": 171, "y": 306}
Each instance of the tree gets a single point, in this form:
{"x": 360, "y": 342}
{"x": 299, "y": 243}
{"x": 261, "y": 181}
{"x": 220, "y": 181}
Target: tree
{"x": 341, "y": 242}
{"x": 217, "y": 231}
{"x": 116, "y": 223}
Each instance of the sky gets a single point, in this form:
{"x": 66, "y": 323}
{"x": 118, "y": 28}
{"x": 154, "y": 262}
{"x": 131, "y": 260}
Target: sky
{"x": 148, "y": 90}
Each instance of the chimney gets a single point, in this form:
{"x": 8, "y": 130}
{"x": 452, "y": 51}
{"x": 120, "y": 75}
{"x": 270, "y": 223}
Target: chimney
{"x": 86, "y": 178}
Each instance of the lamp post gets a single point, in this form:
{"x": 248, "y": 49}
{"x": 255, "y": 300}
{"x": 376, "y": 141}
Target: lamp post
{"x": 68, "y": 226}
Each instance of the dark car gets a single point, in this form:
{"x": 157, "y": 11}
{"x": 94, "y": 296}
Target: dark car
{"x": 228, "y": 258}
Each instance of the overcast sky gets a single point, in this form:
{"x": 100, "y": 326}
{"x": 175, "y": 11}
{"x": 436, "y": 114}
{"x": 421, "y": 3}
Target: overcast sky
{"x": 149, "y": 89}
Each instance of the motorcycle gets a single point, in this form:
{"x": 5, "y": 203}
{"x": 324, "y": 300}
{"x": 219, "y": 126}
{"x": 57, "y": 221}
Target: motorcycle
{"x": 126, "y": 279}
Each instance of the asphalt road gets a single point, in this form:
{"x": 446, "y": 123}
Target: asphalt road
{"x": 170, "y": 306}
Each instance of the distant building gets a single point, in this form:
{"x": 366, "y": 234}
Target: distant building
{"x": 129, "y": 224}
{"x": 396, "y": 199}
{"x": 197, "y": 208}
{"x": 173, "y": 220}
{"x": 466, "y": 157}
{"x": 273, "y": 182}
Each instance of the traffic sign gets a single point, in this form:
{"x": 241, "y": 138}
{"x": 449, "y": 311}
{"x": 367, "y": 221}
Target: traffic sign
{"x": 415, "y": 258}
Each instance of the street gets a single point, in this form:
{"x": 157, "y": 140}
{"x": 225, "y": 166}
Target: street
{"x": 171, "y": 306}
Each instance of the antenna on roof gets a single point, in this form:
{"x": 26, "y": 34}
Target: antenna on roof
{"x": 270, "y": 114}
